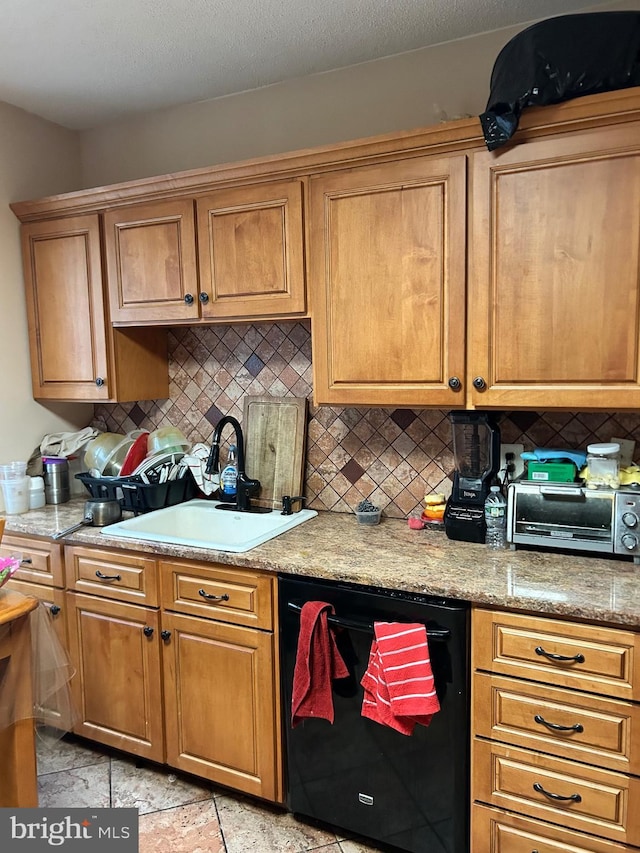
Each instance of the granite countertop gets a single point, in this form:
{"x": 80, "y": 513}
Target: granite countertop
{"x": 390, "y": 555}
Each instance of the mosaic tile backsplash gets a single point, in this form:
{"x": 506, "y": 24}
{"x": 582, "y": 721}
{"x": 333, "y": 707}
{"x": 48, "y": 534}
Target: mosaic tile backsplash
{"x": 391, "y": 456}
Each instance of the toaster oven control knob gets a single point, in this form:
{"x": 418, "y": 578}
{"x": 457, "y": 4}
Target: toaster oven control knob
{"x": 630, "y": 541}
{"x": 630, "y": 519}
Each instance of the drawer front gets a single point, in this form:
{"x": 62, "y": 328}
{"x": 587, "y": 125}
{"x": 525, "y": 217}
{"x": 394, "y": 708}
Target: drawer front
{"x": 218, "y": 592}
{"x": 112, "y": 574}
{"x": 595, "y": 801}
{"x": 585, "y": 657}
{"x": 41, "y": 560}
{"x": 596, "y": 730}
{"x": 497, "y": 832}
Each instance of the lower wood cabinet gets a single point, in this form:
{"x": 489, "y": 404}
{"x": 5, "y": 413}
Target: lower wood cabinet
{"x": 41, "y": 575}
{"x": 222, "y": 702}
{"x": 177, "y": 662}
{"x": 117, "y": 690}
{"x": 555, "y": 735}
{"x": 219, "y": 703}
{"x": 495, "y": 831}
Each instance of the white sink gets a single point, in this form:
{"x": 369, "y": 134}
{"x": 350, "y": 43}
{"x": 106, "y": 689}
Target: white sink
{"x": 200, "y": 524}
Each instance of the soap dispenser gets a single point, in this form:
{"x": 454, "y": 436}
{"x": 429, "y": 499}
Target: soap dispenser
{"x": 229, "y": 476}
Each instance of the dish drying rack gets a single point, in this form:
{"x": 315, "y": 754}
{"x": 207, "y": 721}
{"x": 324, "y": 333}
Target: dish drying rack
{"x": 138, "y": 497}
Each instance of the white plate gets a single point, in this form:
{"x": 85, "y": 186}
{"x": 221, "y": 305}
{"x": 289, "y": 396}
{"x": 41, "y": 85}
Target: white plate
{"x": 152, "y": 464}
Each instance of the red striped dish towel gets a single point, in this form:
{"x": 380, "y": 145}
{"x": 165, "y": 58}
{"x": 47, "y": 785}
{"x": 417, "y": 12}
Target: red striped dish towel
{"x": 399, "y": 690}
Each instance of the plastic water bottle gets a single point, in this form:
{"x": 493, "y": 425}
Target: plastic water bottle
{"x": 495, "y": 515}
{"x": 229, "y": 475}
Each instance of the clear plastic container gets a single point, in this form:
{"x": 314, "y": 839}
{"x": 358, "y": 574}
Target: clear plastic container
{"x": 167, "y": 439}
{"x": 15, "y": 493}
{"x": 13, "y": 471}
{"x": 36, "y": 493}
{"x": 495, "y": 515}
{"x": 603, "y": 466}
{"x": 100, "y": 449}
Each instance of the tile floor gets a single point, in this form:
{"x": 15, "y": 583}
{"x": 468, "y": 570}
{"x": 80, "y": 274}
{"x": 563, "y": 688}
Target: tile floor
{"x": 178, "y": 813}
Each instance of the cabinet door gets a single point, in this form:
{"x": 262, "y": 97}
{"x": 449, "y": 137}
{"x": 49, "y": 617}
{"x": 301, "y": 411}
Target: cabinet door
{"x": 54, "y": 709}
{"x": 66, "y": 309}
{"x": 220, "y": 704}
{"x": 554, "y": 285}
{"x": 387, "y": 280}
{"x": 151, "y": 261}
{"x": 115, "y": 650}
{"x": 250, "y": 242}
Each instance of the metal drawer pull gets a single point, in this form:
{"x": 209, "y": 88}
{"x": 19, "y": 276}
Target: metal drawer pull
{"x": 206, "y": 595}
{"x": 26, "y": 562}
{"x": 54, "y": 609}
{"x": 147, "y": 631}
{"x": 579, "y": 658}
{"x": 576, "y": 727}
{"x": 575, "y": 798}
{"x": 107, "y": 577}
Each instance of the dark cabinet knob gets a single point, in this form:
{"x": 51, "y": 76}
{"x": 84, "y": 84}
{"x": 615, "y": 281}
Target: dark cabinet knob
{"x": 455, "y": 384}
{"x": 203, "y": 297}
{"x": 99, "y": 381}
{"x": 479, "y": 384}
{"x": 147, "y": 631}
{"x": 188, "y": 298}
{"x": 54, "y": 609}
{"x": 166, "y": 635}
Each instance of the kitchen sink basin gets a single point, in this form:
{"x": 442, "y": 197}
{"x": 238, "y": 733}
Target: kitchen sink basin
{"x": 201, "y": 524}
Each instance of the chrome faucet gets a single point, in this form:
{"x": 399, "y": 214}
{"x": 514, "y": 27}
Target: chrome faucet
{"x": 246, "y": 487}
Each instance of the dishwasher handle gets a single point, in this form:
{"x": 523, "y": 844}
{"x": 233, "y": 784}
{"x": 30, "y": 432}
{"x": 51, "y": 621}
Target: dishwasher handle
{"x": 435, "y": 634}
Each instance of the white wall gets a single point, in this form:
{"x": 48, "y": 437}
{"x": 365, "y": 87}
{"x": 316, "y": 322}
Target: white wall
{"x": 402, "y": 92}
{"x": 37, "y": 158}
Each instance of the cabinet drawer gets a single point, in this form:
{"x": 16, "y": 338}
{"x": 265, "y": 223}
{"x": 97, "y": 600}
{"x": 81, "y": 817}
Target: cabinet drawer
{"x": 585, "y": 657}
{"x": 604, "y": 803}
{"x": 593, "y": 729}
{"x": 112, "y": 574}
{"x": 497, "y": 832}
{"x": 218, "y": 592}
{"x": 41, "y": 560}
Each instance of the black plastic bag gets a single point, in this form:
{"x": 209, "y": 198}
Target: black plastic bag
{"x": 559, "y": 59}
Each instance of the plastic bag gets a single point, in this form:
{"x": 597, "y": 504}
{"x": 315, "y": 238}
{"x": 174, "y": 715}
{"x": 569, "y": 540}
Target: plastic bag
{"x": 51, "y": 673}
{"x": 559, "y": 59}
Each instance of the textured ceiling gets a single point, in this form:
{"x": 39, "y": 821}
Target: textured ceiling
{"x": 82, "y": 63}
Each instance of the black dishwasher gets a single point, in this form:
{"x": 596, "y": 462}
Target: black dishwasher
{"x": 410, "y": 792}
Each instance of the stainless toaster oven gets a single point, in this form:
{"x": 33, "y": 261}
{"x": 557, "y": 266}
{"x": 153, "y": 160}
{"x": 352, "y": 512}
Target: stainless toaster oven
{"x": 567, "y": 515}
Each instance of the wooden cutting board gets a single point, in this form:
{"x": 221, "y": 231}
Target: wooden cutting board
{"x": 275, "y": 438}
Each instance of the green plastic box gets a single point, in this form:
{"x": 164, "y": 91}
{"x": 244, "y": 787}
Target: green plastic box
{"x": 551, "y": 472}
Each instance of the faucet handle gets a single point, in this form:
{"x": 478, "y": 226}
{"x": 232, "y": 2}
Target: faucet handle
{"x": 287, "y": 500}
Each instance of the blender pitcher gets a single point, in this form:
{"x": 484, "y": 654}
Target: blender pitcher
{"x": 476, "y": 451}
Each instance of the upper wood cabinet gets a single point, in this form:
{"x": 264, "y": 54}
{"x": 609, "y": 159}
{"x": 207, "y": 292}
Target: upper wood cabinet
{"x": 387, "y": 281}
{"x": 554, "y": 285}
{"x": 151, "y": 261}
{"x": 75, "y": 355}
{"x": 250, "y": 243}
{"x": 251, "y": 250}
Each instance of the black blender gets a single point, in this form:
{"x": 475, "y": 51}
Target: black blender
{"x": 476, "y": 450}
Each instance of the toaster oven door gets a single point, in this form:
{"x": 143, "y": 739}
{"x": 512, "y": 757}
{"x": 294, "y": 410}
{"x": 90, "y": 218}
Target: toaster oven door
{"x": 558, "y": 516}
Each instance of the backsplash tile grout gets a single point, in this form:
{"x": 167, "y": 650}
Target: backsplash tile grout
{"x": 391, "y": 456}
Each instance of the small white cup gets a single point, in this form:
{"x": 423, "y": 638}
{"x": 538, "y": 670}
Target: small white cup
{"x": 16, "y": 495}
